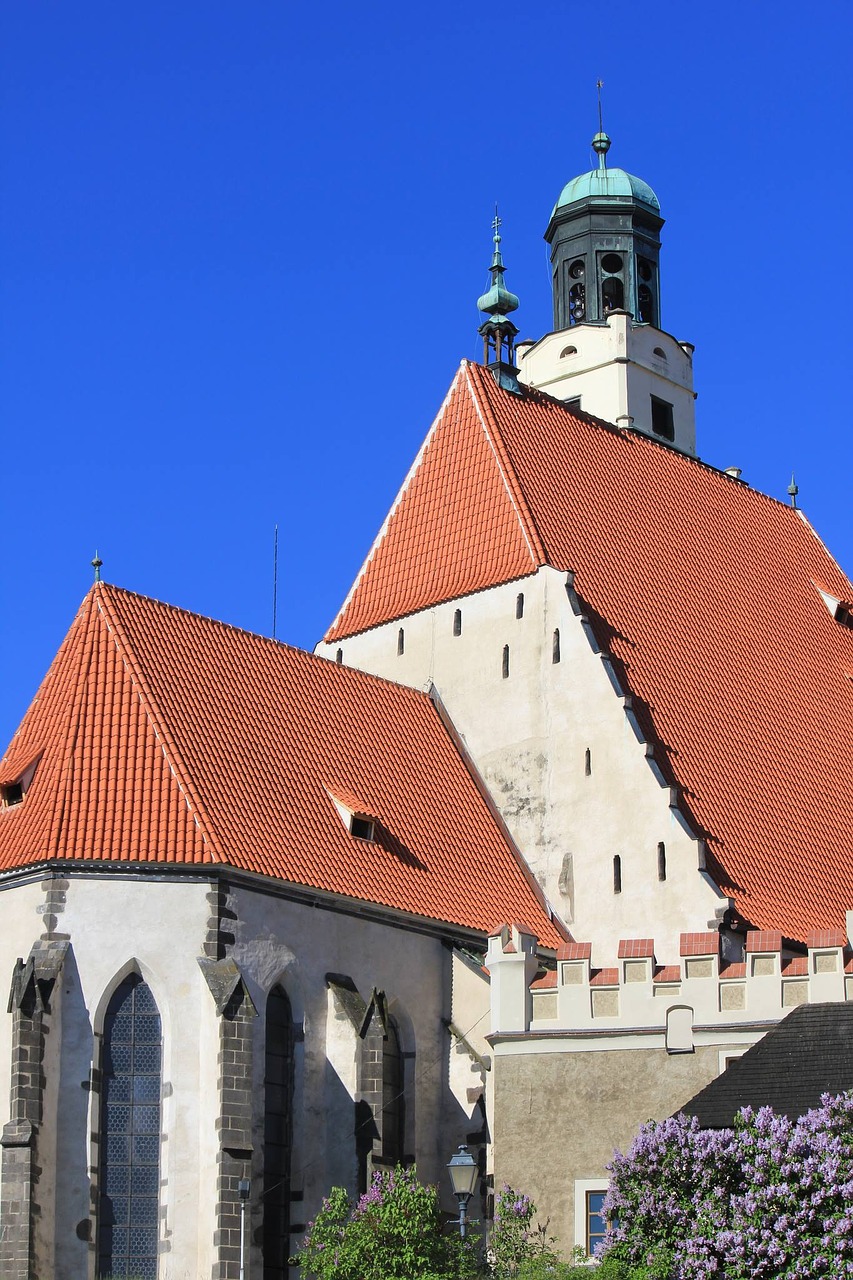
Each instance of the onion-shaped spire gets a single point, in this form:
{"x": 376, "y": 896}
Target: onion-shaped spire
{"x": 497, "y": 301}
{"x": 497, "y": 330}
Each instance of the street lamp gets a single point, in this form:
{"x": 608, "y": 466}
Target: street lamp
{"x": 463, "y": 1176}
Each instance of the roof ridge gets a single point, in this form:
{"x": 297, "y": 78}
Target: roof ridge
{"x": 383, "y": 528}
{"x": 65, "y": 779}
{"x": 351, "y": 673}
{"x": 508, "y": 472}
{"x": 106, "y": 606}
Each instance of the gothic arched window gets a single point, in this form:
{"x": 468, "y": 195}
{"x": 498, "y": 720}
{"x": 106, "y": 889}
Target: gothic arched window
{"x": 278, "y": 1134}
{"x": 129, "y": 1182}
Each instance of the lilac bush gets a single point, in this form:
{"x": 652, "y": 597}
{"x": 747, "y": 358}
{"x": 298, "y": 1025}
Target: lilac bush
{"x": 395, "y": 1231}
{"x": 771, "y": 1199}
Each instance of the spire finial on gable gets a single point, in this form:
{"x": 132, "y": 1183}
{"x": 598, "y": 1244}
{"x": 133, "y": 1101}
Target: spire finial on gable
{"x": 793, "y": 491}
{"x": 97, "y": 565}
{"x": 498, "y": 331}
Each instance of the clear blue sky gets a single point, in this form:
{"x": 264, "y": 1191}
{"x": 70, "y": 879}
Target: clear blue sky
{"x": 242, "y": 243}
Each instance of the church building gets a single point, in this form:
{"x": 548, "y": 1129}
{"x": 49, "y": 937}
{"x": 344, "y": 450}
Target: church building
{"x": 554, "y": 823}
{"x": 651, "y": 665}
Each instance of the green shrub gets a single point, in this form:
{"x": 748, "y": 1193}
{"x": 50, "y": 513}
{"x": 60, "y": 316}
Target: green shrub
{"x": 394, "y": 1232}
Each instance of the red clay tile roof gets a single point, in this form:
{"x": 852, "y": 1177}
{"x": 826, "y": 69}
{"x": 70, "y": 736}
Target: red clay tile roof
{"x": 768, "y": 941}
{"x": 699, "y": 944}
{"x": 575, "y": 951}
{"x": 604, "y": 978}
{"x": 668, "y": 973}
{"x": 734, "y": 969}
{"x": 545, "y": 982}
{"x": 701, "y": 589}
{"x": 796, "y": 967}
{"x": 170, "y": 738}
{"x": 827, "y": 938}
{"x": 636, "y": 948}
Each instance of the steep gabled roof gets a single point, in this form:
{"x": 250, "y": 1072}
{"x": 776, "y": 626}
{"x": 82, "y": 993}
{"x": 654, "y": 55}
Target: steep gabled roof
{"x": 809, "y": 1053}
{"x": 706, "y": 593}
{"x": 164, "y": 737}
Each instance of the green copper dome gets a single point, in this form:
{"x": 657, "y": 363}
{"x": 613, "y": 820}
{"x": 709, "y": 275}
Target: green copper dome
{"x": 606, "y": 184}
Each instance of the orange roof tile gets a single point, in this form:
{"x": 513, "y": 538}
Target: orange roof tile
{"x": 636, "y": 948}
{"x": 701, "y": 589}
{"x": 668, "y": 973}
{"x": 166, "y": 737}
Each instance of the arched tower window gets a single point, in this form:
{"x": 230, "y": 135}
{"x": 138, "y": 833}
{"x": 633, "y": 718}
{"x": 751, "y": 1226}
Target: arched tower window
{"x": 278, "y": 1134}
{"x": 646, "y": 291}
{"x": 129, "y": 1179}
{"x": 612, "y": 282}
{"x": 577, "y": 291}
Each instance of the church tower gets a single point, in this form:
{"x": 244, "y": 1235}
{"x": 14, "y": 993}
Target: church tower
{"x": 608, "y": 354}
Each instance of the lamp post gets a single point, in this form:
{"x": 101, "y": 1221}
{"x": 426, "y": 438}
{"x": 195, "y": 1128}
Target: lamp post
{"x": 244, "y": 1186}
{"x": 463, "y": 1176}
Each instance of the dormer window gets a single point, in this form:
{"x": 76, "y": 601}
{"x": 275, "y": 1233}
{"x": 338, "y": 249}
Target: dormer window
{"x": 14, "y": 789}
{"x": 361, "y": 827}
{"x": 12, "y": 793}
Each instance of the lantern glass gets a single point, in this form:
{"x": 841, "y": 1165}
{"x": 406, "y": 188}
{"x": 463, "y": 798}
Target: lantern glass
{"x": 463, "y": 1173}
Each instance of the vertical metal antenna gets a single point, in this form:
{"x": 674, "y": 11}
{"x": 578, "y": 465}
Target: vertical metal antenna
{"x": 599, "y": 84}
{"x": 274, "y": 580}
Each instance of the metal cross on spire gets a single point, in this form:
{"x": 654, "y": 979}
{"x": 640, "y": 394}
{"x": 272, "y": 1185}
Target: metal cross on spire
{"x": 496, "y": 224}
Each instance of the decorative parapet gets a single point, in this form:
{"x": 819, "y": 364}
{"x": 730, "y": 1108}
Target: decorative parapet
{"x": 642, "y": 995}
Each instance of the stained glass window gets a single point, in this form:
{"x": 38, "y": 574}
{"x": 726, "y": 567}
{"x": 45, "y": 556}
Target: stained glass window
{"x": 129, "y": 1185}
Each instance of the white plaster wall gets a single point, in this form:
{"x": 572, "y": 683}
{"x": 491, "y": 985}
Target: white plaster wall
{"x": 615, "y": 371}
{"x": 528, "y": 735}
{"x": 118, "y": 924}
{"x": 158, "y": 926}
{"x": 278, "y": 941}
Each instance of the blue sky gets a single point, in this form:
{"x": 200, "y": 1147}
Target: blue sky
{"x": 242, "y": 244}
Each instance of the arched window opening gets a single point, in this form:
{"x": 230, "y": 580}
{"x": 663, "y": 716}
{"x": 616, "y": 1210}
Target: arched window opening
{"x": 660, "y": 353}
{"x": 401, "y": 641}
{"x": 568, "y": 351}
{"x": 519, "y": 605}
{"x": 646, "y": 305}
{"x": 612, "y": 295}
{"x": 555, "y": 646}
{"x": 339, "y": 656}
{"x": 457, "y": 623}
{"x": 617, "y": 874}
{"x": 278, "y": 1134}
{"x": 129, "y": 1140}
{"x": 661, "y": 861}
{"x": 587, "y": 762}
{"x": 505, "y": 662}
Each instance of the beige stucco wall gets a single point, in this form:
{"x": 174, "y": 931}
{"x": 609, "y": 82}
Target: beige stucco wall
{"x": 560, "y": 1116}
{"x": 528, "y": 735}
{"x": 615, "y": 368}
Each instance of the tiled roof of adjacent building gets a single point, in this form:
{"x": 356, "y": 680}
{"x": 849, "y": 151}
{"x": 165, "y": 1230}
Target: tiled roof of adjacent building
{"x": 164, "y": 737}
{"x": 702, "y": 590}
{"x": 809, "y": 1053}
